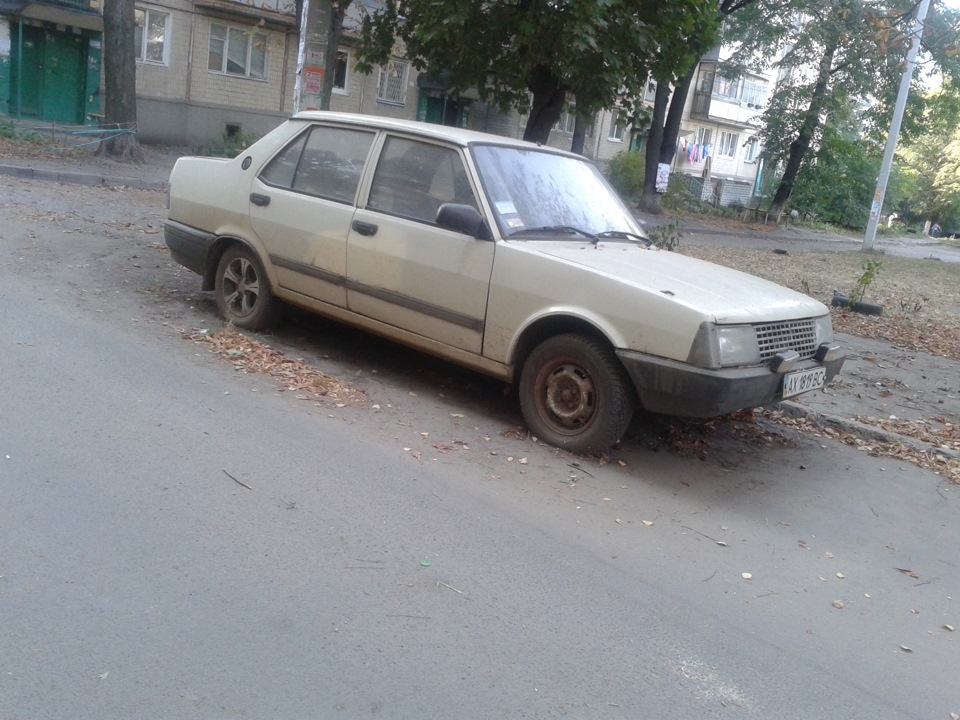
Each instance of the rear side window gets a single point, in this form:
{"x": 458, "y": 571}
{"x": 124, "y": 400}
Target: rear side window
{"x": 324, "y": 162}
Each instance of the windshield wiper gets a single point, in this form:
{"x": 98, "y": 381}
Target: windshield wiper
{"x": 559, "y": 229}
{"x": 624, "y": 235}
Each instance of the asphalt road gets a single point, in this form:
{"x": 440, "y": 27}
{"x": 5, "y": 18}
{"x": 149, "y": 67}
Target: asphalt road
{"x": 182, "y": 540}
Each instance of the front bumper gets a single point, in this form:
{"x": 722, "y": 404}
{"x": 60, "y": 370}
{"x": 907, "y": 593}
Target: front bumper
{"x": 670, "y": 387}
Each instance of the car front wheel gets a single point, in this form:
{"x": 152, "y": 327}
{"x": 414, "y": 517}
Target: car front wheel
{"x": 575, "y": 394}
{"x": 242, "y": 290}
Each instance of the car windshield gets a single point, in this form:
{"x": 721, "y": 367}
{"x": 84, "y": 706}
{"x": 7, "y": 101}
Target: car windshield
{"x": 533, "y": 190}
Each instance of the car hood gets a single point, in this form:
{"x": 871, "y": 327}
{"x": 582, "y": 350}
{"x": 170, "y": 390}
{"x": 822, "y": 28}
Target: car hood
{"x": 718, "y": 293}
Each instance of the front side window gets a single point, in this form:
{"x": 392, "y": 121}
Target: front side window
{"x": 236, "y": 51}
{"x": 324, "y": 162}
{"x": 393, "y": 82}
{"x": 151, "y": 36}
{"x": 413, "y": 179}
{"x": 728, "y": 144}
{"x": 750, "y": 150}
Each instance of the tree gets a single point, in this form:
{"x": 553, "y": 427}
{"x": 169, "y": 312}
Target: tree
{"x": 321, "y": 27}
{"x": 675, "y": 65}
{"x": 532, "y": 54}
{"x": 120, "y": 82}
{"x": 850, "y": 48}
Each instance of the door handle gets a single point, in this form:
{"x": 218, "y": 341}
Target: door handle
{"x": 259, "y": 200}
{"x": 364, "y": 228}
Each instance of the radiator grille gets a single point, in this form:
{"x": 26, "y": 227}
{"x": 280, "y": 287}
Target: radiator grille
{"x": 798, "y": 335}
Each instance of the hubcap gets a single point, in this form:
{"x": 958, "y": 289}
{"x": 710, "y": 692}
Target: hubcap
{"x": 241, "y": 287}
{"x": 570, "y": 396}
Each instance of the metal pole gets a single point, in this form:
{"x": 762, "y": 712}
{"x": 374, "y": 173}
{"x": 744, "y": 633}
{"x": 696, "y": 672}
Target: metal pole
{"x": 891, "y": 146}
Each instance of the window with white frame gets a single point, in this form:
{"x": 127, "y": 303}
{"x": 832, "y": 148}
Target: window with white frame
{"x": 728, "y": 144}
{"x": 393, "y": 82}
{"x": 566, "y": 122}
{"x": 727, "y": 88}
{"x": 755, "y": 92}
{"x": 750, "y": 150}
{"x": 703, "y": 137}
{"x": 340, "y": 73}
{"x": 618, "y": 126}
{"x": 152, "y": 36}
{"x": 237, "y": 51}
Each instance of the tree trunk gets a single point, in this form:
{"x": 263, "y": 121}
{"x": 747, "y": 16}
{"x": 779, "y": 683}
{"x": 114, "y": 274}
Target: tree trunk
{"x": 120, "y": 141}
{"x": 334, "y": 31}
{"x": 549, "y": 96}
{"x": 662, "y": 146}
{"x": 650, "y": 199}
{"x": 579, "y": 134}
{"x": 800, "y": 144}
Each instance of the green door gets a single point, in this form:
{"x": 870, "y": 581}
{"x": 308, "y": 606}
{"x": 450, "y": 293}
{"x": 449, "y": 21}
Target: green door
{"x": 52, "y": 76}
{"x": 64, "y": 76}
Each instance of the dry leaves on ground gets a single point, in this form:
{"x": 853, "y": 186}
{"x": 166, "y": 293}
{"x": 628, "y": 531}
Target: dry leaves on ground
{"x": 251, "y": 356}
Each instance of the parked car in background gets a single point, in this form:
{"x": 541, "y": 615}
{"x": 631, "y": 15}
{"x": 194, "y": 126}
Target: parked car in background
{"x": 515, "y": 260}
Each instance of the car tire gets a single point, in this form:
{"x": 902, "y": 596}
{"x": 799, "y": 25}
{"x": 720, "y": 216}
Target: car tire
{"x": 575, "y": 394}
{"x": 243, "y": 291}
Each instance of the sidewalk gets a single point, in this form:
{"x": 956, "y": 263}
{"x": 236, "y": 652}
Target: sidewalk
{"x": 923, "y": 386}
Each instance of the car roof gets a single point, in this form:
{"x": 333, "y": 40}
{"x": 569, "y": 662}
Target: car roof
{"x": 459, "y": 136}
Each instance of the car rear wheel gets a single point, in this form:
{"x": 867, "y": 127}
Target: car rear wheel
{"x": 575, "y": 394}
{"x": 243, "y": 292}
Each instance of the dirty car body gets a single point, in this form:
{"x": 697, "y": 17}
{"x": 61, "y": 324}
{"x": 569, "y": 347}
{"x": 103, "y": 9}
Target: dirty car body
{"x": 512, "y": 259}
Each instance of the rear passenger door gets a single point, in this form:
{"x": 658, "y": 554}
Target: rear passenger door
{"x": 404, "y": 270}
{"x": 302, "y": 204}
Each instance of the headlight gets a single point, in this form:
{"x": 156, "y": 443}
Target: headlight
{"x": 823, "y": 329}
{"x": 716, "y": 347}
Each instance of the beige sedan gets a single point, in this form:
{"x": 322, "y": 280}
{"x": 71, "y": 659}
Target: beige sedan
{"x": 515, "y": 260}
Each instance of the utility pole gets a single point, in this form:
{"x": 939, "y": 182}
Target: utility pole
{"x": 892, "y": 138}
{"x": 312, "y": 58}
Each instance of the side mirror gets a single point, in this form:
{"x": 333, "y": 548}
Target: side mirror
{"x": 463, "y": 219}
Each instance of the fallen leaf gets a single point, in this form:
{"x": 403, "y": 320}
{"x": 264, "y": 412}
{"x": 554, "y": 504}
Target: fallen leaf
{"x": 104, "y": 676}
{"x": 522, "y": 461}
{"x": 840, "y": 575}
{"x": 905, "y": 648}
{"x": 648, "y": 523}
{"x": 746, "y": 576}
{"x": 948, "y": 627}
{"x": 721, "y": 543}
{"x": 456, "y": 415}
{"x": 908, "y": 573}
{"x": 838, "y": 604}
{"x": 618, "y": 521}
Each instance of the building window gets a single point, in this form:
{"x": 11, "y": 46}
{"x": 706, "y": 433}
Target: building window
{"x": 234, "y": 51}
{"x": 618, "y": 126}
{"x": 754, "y": 92}
{"x": 151, "y": 32}
{"x": 728, "y": 144}
{"x": 393, "y": 82}
{"x": 340, "y": 73}
{"x": 704, "y": 136}
{"x": 750, "y": 150}
{"x": 727, "y": 88}
{"x": 567, "y": 121}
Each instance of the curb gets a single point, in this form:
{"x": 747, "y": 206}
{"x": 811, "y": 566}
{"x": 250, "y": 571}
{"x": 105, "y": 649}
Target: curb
{"x": 860, "y": 429}
{"x": 29, "y": 173}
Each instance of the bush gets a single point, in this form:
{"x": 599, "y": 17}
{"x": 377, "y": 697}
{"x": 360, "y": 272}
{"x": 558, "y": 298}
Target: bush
{"x": 625, "y": 173}
{"x": 228, "y": 146}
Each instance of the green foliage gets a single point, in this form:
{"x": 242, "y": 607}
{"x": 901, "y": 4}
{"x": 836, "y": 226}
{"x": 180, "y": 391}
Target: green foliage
{"x": 837, "y": 185}
{"x": 228, "y": 146}
{"x": 668, "y": 236}
{"x": 871, "y": 268}
{"x": 13, "y": 132}
{"x": 625, "y": 173}
{"x": 529, "y": 55}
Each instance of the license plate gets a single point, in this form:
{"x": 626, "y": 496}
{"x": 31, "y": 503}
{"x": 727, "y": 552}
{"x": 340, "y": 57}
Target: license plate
{"x": 803, "y": 381}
